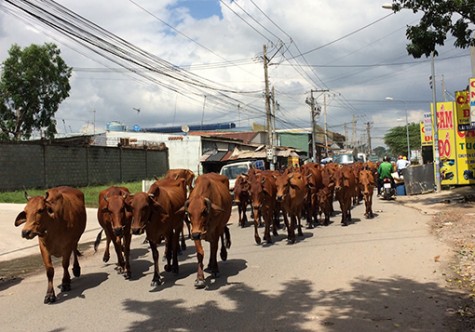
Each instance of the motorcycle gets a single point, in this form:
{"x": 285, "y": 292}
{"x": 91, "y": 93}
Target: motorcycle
{"x": 388, "y": 191}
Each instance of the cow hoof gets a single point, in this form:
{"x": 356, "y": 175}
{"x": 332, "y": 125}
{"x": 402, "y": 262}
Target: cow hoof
{"x": 77, "y": 271}
{"x": 183, "y": 246}
{"x": 65, "y": 287}
{"x": 258, "y": 240}
{"x": 156, "y": 283}
{"x": 49, "y": 298}
{"x": 167, "y": 268}
{"x": 175, "y": 269}
{"x": 105, "y": 259}
{"x": 127, "y": 275}
{"x": 344, "y": 224}
{"x": 200, "y": 284}
{"x": 224, "y": 255}
{"x": 215, "y": 274}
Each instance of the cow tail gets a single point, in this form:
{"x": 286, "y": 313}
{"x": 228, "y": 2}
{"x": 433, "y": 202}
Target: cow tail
{"x": 98, "y": 240}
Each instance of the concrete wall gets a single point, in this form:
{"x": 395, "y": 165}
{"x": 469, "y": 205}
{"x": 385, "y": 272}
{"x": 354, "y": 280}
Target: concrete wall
{"x": 183, "y": 151}
{"x": 26, "y": 165}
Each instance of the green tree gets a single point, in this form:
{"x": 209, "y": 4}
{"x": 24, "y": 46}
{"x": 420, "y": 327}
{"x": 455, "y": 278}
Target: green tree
{"x": 33, "y": 82}
{"x": 441, "y": 17}
{"x": 380, "y": 151}
{"x": 396, "y": 139}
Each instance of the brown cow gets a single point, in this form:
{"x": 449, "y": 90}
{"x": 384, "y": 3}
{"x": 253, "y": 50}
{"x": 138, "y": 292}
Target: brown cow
{"x": 181, "y": 173}
{"x": 312, "y": 175}
{"x": 291, "y": 194}
{"x": 115, "y": 218}
{"x": 325, "y": 195}
{"x": 241, "y": 198}
{"x": 263, "y": 203}
{"x": 159, "y": 212}
{"x": 58, "y": 219}
{"x": 367, "y": 184}
{"x": 188, "y": 176}
{"x": 344, "y": 191}
{"x": 209, "y": 208}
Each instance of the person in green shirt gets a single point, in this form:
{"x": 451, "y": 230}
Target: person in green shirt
{"x": 385, "y": 170}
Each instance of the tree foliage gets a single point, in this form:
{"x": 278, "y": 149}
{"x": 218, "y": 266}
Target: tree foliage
{"x": 396, "y": 139}
{"x": 33, "y": 82}
{"x": 441, "y": 17}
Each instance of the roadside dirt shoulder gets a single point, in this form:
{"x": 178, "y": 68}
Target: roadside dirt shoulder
{"x": 453, "y": 222}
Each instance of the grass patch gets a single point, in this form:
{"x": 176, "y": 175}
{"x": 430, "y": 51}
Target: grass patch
{"x": 91, "y": 193}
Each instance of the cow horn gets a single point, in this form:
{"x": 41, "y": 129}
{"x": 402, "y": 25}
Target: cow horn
{"x": 46, "y": 195}
{"x": 27, "y": 197}
{"x": 106, "y": 197}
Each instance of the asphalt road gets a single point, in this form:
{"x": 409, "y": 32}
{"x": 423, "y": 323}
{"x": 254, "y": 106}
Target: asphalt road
{"x": 381, "y": 274}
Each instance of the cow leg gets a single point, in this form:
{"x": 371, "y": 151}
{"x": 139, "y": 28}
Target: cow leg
{"x": 290, "y": 228}
{"x": 275, "y": 222}
{"x": 127, "y": 240}
{"x": 156, "y": 280}
{"x": 244, "y": 216}
{"x": 213, "y": 261}
{"x": 200, "y": 278}
{"x": 120, "y": 257}
{"x": 255, "y": 213}
{"x": 66, "y": 282}
{"x": 267, "y": 223}
{"x": 76, "y": 267}
{"x": 223, "y": 253}
{"x": 107, "y": 255}
{"x": 50, "y": 296}
{"x": 182, "y": 237}
{"x": 172, "y": 251}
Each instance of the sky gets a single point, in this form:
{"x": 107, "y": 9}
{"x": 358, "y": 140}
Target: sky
{"x": 160, "y": 63}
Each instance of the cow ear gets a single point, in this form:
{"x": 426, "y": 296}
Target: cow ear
{"x": 20, "y": 219}
{"x": 50, "y": 210}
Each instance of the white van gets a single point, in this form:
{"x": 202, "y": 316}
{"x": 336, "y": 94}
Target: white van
{"x": 232, "y": 171}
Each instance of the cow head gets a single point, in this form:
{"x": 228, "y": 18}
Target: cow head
{"x": 119, "y": 212}
{"x": 200, "y": 210}
{"x": 241, "y": 188}
{"x": 37, "y": 216}
{"x": 141, "y": 204}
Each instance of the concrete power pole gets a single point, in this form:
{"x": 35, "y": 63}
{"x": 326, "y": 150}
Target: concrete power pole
{"x": 270, "y": 139}
{"x": 368, "y": 131}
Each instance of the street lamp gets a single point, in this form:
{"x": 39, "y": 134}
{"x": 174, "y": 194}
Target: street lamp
{"x": 407, "y": 126}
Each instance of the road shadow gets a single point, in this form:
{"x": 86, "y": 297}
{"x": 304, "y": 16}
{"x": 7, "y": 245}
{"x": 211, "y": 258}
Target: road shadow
{"x": 227, "y": 269}
{"x": 81, "y": 284}
{"x": 367, "y": 305}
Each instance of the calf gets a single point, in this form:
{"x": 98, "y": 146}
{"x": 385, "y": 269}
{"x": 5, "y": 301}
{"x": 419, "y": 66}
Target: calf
{"x": 58, "y": 219}
{"x": 241, "y": 198}
{"x": 344, "y": 191}
{"x": 209, "y": 208}
{"x": 263, "y": 203}
{"x": 115, "y": 217}
{"x": 367, "y": 184}
{"x": 159, "y": 213}
{"x": 291, "y": 194}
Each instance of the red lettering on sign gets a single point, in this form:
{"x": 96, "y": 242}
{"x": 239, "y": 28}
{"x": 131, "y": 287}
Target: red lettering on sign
{"x": 462, "y": 99}
{"x": 445, "y": 120}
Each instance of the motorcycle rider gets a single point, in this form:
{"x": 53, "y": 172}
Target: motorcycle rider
{"x": 385, "y": 170}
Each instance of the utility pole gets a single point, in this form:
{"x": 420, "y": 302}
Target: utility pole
{"x": 270, "y": 143}
{"x": 325, "y": 123}
{"x": 353, "y": 134}
{"x": 368, "y": 131}
{"x": 315, "y": 111}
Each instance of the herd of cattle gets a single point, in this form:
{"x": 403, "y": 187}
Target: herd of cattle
{"x": 203, "y": 204}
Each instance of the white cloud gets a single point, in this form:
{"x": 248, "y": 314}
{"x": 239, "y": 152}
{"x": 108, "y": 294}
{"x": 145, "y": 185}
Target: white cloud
{"x": 226, "y": 50}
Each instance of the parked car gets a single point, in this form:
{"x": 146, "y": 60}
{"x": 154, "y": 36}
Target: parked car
{"x": 232, "y": 171}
